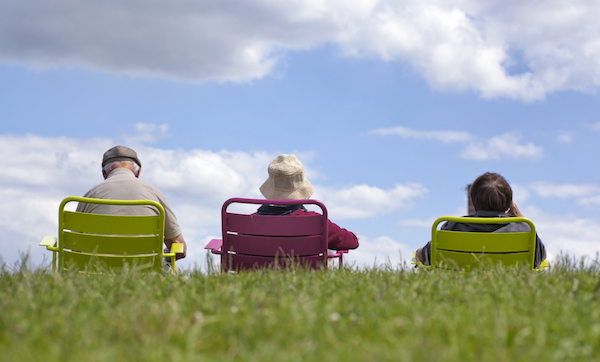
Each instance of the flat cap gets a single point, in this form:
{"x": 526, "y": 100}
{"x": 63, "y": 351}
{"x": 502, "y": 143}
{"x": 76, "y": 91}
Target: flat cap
{"x": 120, "y": 153}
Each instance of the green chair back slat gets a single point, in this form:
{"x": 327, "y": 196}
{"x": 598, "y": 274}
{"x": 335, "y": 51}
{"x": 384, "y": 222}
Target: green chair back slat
{"x": 92, "y": 242}
{"x": 102, "y": 263}
{"x": 111, "y": 244}
{"x": 109, "y": 224}
{"x": 467, "y": 250}
{"x": 491, "y": 243}
{"x": 469, "y": 261}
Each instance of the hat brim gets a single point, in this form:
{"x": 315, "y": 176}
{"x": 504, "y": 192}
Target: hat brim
{"x": 271, "y": 193}
{"x": 121, "y": 158}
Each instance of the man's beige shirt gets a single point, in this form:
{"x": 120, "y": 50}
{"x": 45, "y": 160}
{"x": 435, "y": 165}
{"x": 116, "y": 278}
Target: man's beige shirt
{"x": 122, "y": 184}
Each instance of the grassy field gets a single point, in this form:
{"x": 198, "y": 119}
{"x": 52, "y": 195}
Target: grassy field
{"x": 354, "y": 315}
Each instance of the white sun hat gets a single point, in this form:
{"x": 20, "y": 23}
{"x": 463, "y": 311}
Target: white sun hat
{"x": 286, "y": 180}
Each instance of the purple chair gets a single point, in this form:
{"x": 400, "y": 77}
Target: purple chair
{"x": 252, "y": 241}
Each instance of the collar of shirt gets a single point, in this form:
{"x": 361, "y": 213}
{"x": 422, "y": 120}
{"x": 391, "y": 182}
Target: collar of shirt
{"x": 279, "y": 209}
{"x": 487, "y": 213}
{"x": 120, "y": 171}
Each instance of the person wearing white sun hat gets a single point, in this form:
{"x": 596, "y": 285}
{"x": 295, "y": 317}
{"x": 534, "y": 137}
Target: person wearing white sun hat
{"x": 287, "y": 181}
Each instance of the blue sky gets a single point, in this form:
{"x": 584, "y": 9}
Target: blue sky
{"x": 393, "y": 109}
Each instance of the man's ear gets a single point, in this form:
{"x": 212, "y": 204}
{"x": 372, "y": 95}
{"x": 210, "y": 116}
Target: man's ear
{"x": 138, "y": 173}
{"x": 104, "y": 174}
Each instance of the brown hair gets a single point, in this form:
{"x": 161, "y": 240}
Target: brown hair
{"x": 491, "y": 192}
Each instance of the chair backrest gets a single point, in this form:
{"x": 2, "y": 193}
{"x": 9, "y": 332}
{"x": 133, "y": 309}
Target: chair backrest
{"x": 257, "y": 241}
{"x": 471, "y": 250}
{"x": 96, "y": 242}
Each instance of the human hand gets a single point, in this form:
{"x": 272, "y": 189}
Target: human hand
{"x": 514, "y": 210}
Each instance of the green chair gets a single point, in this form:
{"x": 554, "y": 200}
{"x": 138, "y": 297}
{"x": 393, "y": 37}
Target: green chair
{"x": 461, "y": 250}
{"x": 99, "y": 243}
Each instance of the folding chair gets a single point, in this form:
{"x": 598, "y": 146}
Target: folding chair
{"x": 461, "y": 250}
{"x": 98, "y": 243}
{"x": 252, "y": 241}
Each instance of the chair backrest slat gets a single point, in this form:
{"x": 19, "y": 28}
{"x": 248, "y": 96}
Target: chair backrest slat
{"x": 94, "y": 262}
{"x": 273, "y": 246}
{"x": 473, "y": 242}
{"x": 267, "y": 225}
{"x": 110, "y": 244}
{"x": 109, "y": 224}
{"x": 239, "y": 262}
{"x": 468, "y": 261}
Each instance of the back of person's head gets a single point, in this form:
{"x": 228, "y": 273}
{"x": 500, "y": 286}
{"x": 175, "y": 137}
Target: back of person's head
{"x": 120, "y": 153}
{"x": 109, "y": 167}
{"x": 119, "y": 157}
{"x": 491, "y": 192}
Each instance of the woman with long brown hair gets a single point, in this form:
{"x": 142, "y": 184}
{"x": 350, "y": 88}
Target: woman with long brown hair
{"x": 491, "y": 196}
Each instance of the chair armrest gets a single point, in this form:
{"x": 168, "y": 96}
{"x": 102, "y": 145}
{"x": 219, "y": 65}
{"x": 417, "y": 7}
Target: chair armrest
{"x": 417, "y": 263}
{"x": 177, "y": 248}
{"x": 214, "y": 245}
{"x": 49, "y": 242}
{"x": 543, "y": 265}
{"x": 337, "y": 254}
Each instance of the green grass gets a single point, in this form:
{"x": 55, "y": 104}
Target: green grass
{"x": 361, "y": 315}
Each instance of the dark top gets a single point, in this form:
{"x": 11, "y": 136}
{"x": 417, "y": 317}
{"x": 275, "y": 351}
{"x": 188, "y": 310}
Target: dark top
{"x": 540, "y": 250}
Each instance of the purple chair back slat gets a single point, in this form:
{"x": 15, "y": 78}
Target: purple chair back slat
{"x": 273, "y": 225}
{"x": 258, "y": 241}
{"x": 248, "y": 262}
{"x": 275, "y": 246}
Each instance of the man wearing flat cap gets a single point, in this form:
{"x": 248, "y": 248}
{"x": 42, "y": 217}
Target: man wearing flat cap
{"x": 121, "y": 170}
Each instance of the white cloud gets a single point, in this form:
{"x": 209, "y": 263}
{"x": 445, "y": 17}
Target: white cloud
{"x": 565, "y": 137}
{"x": 378, "y": 252}
{"x": 507, "y": 145}
{"x": 584, "y": 194}
{"x": 566, "y": 233}
{"x": 547, "y": 189}
{"x": 147, "y": 133}
{"x": 522, "y": 51}
{"x": 521, "y": 193}
{"x": 363, "y": 201}
{"x": 444, "y": 136}
{"x": 416, "y": 222}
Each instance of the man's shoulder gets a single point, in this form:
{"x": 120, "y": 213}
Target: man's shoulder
{"x": 514, "y": 227}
